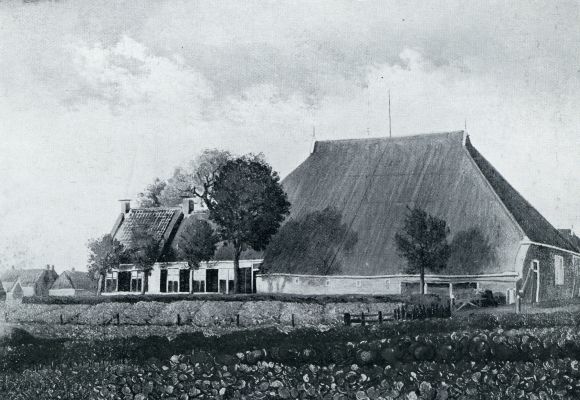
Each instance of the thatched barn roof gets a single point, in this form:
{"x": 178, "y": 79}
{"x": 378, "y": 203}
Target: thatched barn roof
{"x": 372, "y": 182}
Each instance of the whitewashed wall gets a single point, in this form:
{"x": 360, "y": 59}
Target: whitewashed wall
{"x": 374, "y": 285}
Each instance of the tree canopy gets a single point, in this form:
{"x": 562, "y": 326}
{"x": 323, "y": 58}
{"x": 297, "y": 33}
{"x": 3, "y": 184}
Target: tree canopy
{"x": 105, "y": 254}
{"x": 246, "y": 201}
{"x": 196, "y": 177}
{"x": 471, "y": 253}
{"x": 144, "y": 251}
{"x": 423, "y": 243}
{"x": 309, "y": 245}
{"x": 152, "y": 196}
{"x": 196, "y": 242}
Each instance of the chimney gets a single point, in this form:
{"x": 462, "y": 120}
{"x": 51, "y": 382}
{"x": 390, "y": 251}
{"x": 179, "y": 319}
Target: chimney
{"x": 73, "y": 269}
{"x": 187, "y": 205}
{"x": 52, "y": 267}
{"x": 125, "y": 206}
{"x": 48, "y": 267}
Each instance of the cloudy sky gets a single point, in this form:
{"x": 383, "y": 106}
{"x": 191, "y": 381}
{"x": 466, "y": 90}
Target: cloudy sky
{"x": 99, "y": 97}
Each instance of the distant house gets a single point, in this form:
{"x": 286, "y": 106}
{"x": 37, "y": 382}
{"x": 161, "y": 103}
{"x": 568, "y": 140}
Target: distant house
{"x": 170, "y": 275}
{"x": 571, "y": 236}
{"x": 20, "y": 283}
{"x": 373, "y": 182}
{"x": 73, "y": 283}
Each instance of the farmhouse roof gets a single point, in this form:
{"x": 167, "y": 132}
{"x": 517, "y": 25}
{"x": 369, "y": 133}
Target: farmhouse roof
{"x": 374, "y": 181}
{"x": 166, "y": 223}
{"x": 77, "y": 280}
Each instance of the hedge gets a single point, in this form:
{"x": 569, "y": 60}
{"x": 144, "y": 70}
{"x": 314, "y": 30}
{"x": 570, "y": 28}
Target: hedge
{"x": 321, "y": 299}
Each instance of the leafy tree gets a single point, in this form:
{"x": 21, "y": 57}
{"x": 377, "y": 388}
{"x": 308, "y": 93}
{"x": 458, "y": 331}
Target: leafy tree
{"x": 423, "y": 242}
{"x": 310, "y": 244}
{"x": 196, "y": 243}
{"x": 152, "y": 196}
{"x": 105, "y": 254}
{"x": 247, "y": 202}
{"x": 471, "y": 252}
{"x": 195, "y": 178}
{"x": 144, "y": 251}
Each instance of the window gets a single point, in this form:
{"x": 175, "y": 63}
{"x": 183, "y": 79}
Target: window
{"x": 327, "y": 283}
{"x": 559, "y": 270}
{"x": 358, "y": 283}
{"x": 173, "y": 280}
{"x": 387, "y": 283}
{"x": 136, "y": 281}
{"x": 297, "y": 280}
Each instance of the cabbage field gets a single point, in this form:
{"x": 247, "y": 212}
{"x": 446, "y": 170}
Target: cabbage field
{"x": 472, "y": 357}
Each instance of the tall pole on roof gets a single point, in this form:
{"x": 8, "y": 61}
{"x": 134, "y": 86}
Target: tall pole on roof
{"x": 390, "y": 132}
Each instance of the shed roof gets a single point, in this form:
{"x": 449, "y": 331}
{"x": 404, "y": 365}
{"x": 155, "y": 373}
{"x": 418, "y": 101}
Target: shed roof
{"x": 373, "y": 181}
{"x": 77, "y": 280}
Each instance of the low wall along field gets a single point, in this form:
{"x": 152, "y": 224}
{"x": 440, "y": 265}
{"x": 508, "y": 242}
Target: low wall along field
{"x": 189, "y": 312}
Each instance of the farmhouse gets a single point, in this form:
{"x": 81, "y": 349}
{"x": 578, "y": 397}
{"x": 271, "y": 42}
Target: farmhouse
{"x": 373, "y": 182}
{"x": 169, "y": 274}
{"x": 73, "y": 283}
{"x": 20, "y": 283}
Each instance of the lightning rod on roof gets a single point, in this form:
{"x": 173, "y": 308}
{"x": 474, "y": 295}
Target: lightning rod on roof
{"x": 390, "y": 133}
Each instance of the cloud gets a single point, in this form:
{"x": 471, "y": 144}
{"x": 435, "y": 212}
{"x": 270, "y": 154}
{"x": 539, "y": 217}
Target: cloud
{"x": 98, "y": 98}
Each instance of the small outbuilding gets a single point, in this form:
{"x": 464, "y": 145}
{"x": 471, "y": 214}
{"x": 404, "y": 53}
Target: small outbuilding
{"x": 74, "y": 283}
{"x": 20, "y": 283}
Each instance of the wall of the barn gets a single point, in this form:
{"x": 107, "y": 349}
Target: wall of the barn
{"x": 378, "y": 285}
{"x": 549, "y": 288}
{"x": 312, "y": 285}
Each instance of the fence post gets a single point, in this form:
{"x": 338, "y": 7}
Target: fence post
{"x": 347, "y": 319}
{"x": 61, "y": 320}
{"x": 293, "y": 324}
{"x": 118, "y": 319}
{"x": 362, "y": 318}
{"x": 380, "y": 317}
{"x": 178, "y": 319}
{"x": 237, "y": 319}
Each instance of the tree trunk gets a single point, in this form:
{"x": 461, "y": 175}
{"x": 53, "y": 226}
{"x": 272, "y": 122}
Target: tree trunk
{"x": 191, "y": 281}
{"x": 422, "y": 278}
{"x": 237, "y": 253}
{"x": 145, "y": 281}
{"x": 100, "y": 284}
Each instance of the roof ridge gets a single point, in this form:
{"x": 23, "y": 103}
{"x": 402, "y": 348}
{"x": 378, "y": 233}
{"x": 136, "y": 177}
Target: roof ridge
{"x": 527, "y": 232}
{"x": 428, "y": 135}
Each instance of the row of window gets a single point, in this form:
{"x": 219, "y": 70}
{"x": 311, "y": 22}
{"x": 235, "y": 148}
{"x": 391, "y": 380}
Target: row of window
{"x": 178, "y": 281}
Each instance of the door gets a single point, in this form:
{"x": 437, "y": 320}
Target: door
{"x": 124, "y": 281}
{"x": 212, "y": 281}
{"x": 184, "y": 280}
{"x": 535, "y": 285}
{"x": 163, "y": 281}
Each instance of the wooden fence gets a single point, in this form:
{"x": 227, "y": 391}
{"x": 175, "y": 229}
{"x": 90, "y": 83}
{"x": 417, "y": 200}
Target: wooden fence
{"x": 363, "y": 319}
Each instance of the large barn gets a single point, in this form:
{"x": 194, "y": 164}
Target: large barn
{"x": 373, "y": 183}
{"x": 170, "y": 274}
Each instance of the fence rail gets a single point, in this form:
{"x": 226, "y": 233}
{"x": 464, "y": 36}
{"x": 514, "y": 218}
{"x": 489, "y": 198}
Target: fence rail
{"x": 363, "y": 319}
